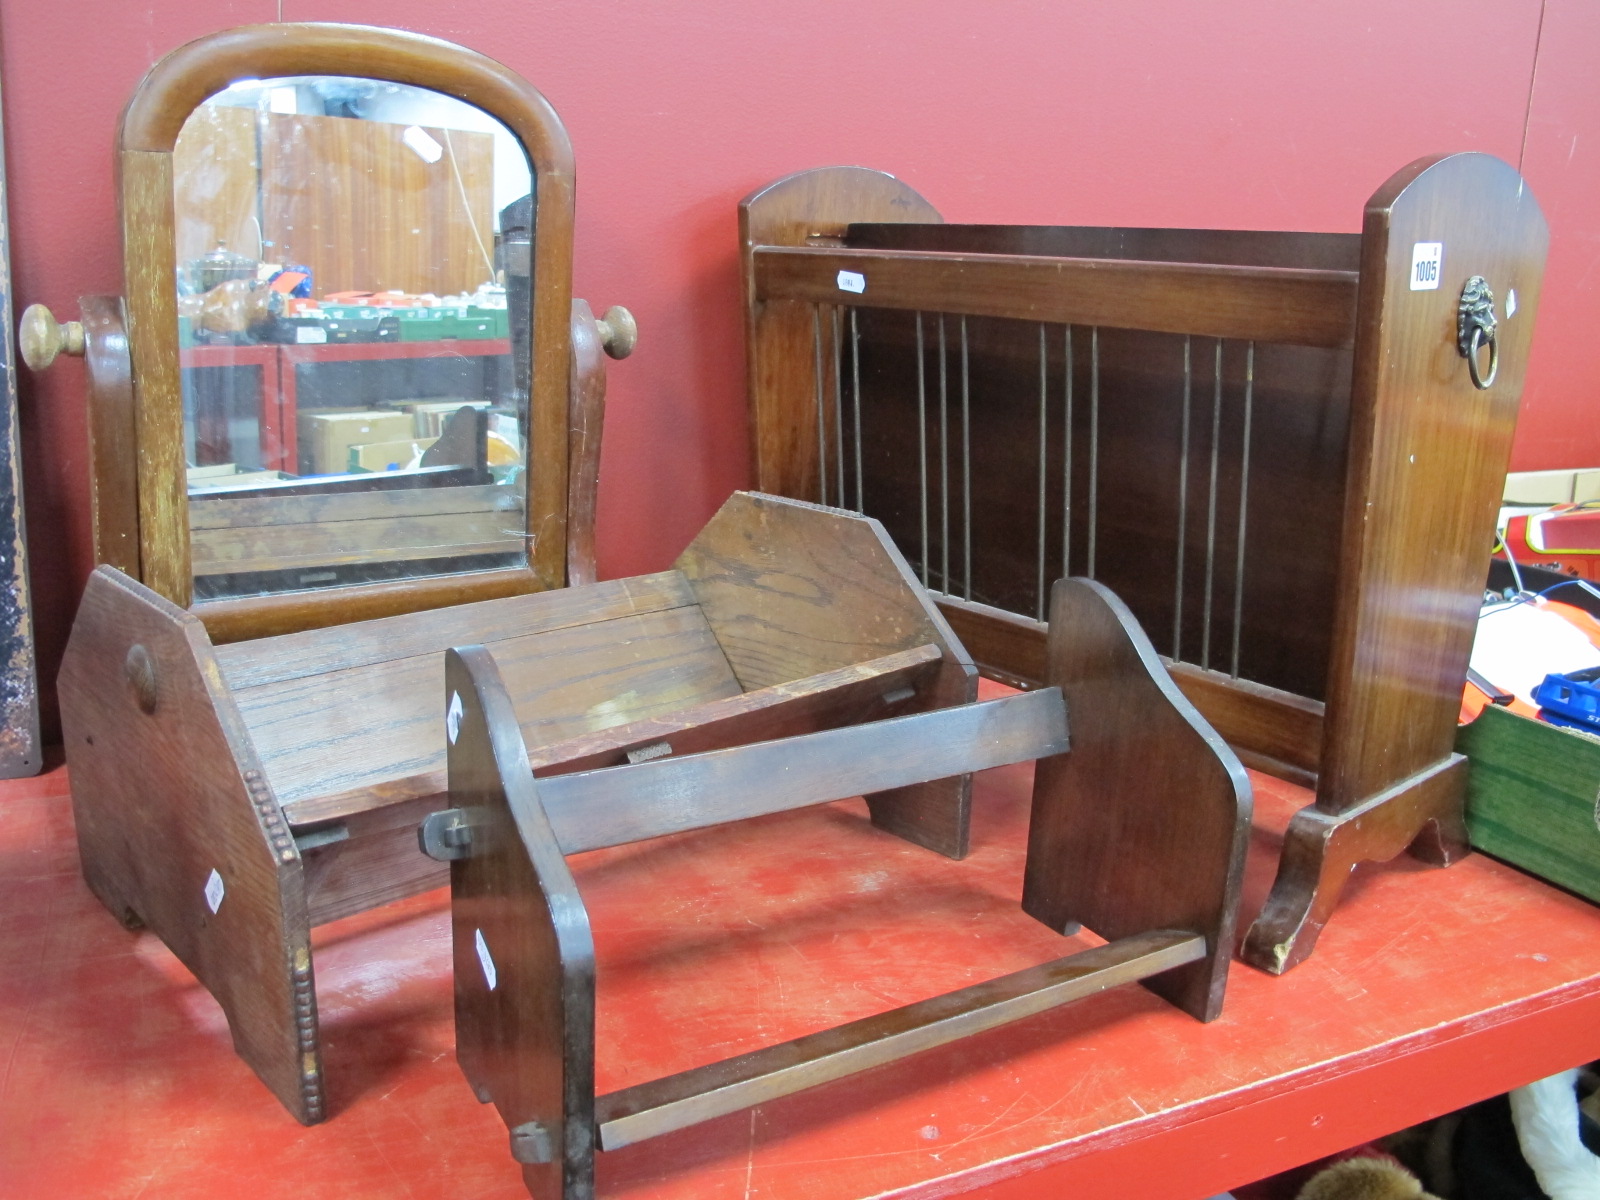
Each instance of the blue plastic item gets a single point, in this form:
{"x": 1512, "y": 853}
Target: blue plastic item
{"x": 1571, "y": 700}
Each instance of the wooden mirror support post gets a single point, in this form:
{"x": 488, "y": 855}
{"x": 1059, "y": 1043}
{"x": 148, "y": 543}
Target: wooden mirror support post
{"x": 1138, "y": 832}
{"x": 1284, "y": 451}
{"x": 246, "y": 769}
{"x": 280, "y": 780}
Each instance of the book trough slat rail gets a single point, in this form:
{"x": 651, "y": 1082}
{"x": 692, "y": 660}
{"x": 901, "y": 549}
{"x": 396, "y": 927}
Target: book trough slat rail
{"x": 685, "y": 1099}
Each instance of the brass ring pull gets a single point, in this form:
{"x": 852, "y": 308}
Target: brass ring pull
{"x": 1479, "y": 336}
{"x": 1475, "y": 327}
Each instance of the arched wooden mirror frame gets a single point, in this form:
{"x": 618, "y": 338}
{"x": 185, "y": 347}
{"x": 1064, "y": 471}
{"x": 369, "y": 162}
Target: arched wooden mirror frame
{"x": 146, "y": 139}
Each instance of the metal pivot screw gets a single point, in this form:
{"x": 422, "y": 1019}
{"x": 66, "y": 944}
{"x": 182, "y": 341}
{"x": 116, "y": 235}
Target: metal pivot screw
{"x": 531, "y": 1143}
{"x": 446, "y": 836}
{"x": 1475, "y": 328}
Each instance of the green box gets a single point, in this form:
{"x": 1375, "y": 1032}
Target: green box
{"x": 1533, "y": 797}
{"x": 437, "y": 324}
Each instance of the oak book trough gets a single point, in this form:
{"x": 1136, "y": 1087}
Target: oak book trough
{"x": 231, "y": 797}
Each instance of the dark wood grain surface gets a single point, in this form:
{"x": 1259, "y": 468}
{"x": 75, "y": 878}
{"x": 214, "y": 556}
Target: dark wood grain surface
{"x": 1427, "y": 459}
{"x": 372, "y": 723}
{"x": 1119, "y": 492}
{"x": 586, "y": 412}
{"x": 524, "y": 955}
{"x": 1270, "y": 729}
{"x": 319, "y": 651}
{"x": 253, "y": 617}
{"x": 168, "y": 793}
{"x": 810, "y": 208}
{"x": 880, "y": 687}
{"x": 792, "y": 589}
{"x": 632, "y": 803}
{"x": 1400, "y": 649}
{"x": 371, "y": 858}
{"x": 1147, "y": 785}
{"x": 113, "y": 472}
{"x": 1271, "y": 304}
{"x": 1217, "y": 247}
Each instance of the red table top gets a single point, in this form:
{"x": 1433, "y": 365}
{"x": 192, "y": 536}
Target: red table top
{"x": 1430, "y": 989}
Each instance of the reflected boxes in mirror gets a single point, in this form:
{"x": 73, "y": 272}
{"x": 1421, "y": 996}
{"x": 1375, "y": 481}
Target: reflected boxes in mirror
{"x": 326, "y": 438}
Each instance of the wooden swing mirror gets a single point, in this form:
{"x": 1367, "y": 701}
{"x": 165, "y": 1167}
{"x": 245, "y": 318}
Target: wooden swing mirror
{"x": 347, "y": 378}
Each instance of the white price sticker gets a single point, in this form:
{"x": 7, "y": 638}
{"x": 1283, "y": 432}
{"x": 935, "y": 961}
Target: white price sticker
{"x": 214, "y": 892}
{"x": 484, "y": 960}
{"x": 452, "y": 717}
{"x": 1426, "y": 259}
{"x": 424, "y": 144}
{"x": 309, "y": 335}
{"x": 852, "y": 281}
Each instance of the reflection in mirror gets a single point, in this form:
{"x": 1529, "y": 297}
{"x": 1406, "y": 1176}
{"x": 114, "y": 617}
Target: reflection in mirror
{"x": 353, "y": 276}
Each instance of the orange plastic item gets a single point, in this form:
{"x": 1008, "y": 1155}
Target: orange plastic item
{"x": 379, "y": 299}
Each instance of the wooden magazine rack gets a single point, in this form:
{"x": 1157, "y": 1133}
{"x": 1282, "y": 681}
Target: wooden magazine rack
{"x": 1138, "y": 832}
{"x": 231, "y": 797}
{"x": 1284, "y": 451}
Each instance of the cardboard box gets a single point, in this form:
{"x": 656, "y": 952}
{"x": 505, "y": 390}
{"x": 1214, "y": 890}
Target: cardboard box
{"x": 386, "y": 456}
{"x": 430, "y": 415}
{"x": 1538, "y": 487}
{"x": 326, "y": 437}
{"x": 212, "y": 471}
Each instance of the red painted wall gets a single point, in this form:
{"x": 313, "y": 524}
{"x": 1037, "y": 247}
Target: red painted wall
{"x": 1252, "y": 114}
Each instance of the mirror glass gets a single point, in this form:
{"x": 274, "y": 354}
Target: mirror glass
{"x": 353, "y": 279}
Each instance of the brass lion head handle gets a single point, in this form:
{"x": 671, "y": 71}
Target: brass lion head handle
{"x": 1475, "y": 329}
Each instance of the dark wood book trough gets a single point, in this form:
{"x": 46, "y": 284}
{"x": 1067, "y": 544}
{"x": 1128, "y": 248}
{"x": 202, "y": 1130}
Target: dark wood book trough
{"x": 1138, "y": 832}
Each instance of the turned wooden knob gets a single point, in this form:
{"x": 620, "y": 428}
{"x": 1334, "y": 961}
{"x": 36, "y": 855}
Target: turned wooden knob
{"x": 41, "y": 337}
{"x": 619, "y": 332}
